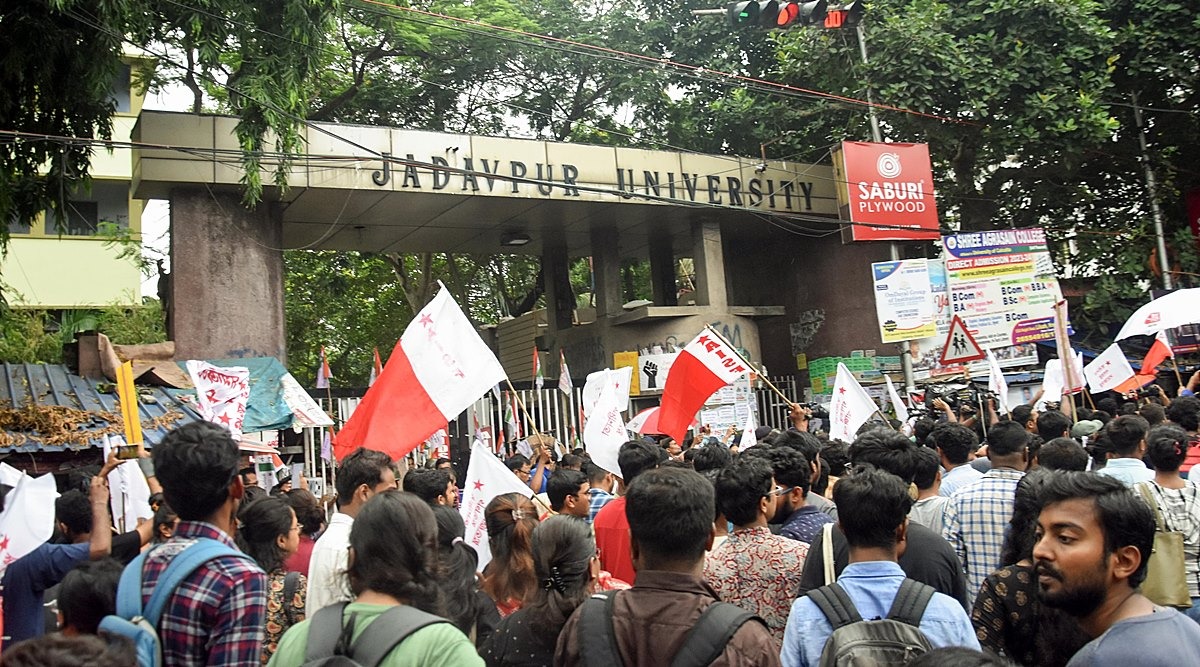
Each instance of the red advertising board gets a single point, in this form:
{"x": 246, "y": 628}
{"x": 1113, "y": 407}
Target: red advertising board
{"x": 889, "y": 185}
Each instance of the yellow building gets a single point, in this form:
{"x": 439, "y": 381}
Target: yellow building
{"x": 71, "y": 268}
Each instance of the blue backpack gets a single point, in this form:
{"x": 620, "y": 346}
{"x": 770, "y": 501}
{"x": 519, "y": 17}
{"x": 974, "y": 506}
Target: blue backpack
{"x": 140, "y": 624}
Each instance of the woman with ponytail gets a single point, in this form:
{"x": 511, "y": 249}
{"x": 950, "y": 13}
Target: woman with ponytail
{"x": 392, "y": 562}
{"x": 471, "y": 610}
{"x": 509, "y": 578}
{"x": 565, "y": 562}
{"x": 1177, "y": 499}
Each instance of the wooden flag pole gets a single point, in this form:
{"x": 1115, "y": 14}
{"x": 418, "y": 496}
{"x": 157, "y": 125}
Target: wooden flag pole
{"x": 521, "y": 404}
{"x": 751, "y": 365}
{"x": 1175, "y": 366}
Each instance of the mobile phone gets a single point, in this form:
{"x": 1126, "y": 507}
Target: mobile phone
{"x": 127, "y": 452}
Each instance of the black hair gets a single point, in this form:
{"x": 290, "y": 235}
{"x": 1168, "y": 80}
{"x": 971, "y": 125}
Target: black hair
{"x": 1125, "y": 519}
{"x": 922, "y": 428}
{"x": 1021, "y": 534}
{"x": 928, "y": 465}
{"x": 247, "y": 471}
{"x": 393, "y": 545}
{"x": 195, "y": 464}
{"x": 427, "y": 483}
{"x": 1126, "y": 433}
{"x": 164, "y": 516}
{"x": 836, "y": 456}
{"x": 1007, "y": 438}
{"x": 636, "y": 457}
{"x": 308, "y": 510}
{"x": 1021, "y": 414}
{"x": 563, "y": 549}
{"x": 516, "y": 462}
{"x": 156, "y": 500}
{"x": 821, "y": 483}
{"x": 670, "y": 513}
{"x": 1167, "y": 447}
{"x": 803, "y": 441}
{"x": 362, "y": 466}
{"x": 1153, "y": 413}
{"x": 570, "y": 461}
{"x": 60, "y": 650}
{"x": 595, "y": 473}
{"x": 262, "y": 522}
{"x": 741, "y": 487}
{"x": 1102, "y": 416}
{"x": 887, "y": 450}
{"x": 1062, "y": 454}
{"x": 1185, "y": 412}
{"x": 1108, "y": 405}
{"x": 957, "y": 656}
{"x": 88, "y": 593}
{"x": 1128, "y": 408}
{"x": 711, "y": 457}
{"x": 457, "y": 564}
{"x": 871, "y": 504}
{"x": 955, "y": 441}
{"x": 74, "y": 510}
{"x": 563, "y": 483}
{"x": 1052, "y": 424}
{"x": 790, "y": 466}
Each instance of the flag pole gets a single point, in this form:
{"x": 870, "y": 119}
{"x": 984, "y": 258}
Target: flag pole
{"x": 521, "y": 404}
{"x": 751, "y": 365}
{"x": 1175, "y": 365}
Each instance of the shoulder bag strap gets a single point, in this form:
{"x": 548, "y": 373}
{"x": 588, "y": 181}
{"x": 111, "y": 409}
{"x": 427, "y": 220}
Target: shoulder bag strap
{"x": 838, "y": 608}
{"x": 827, "y": 553}
{"x": 290, "y": 582}
{"x": 1159, "y": 520}
{"x": 324, "y": 630}
{"x": 911, "y": 601}
{"x": 707, "y": 639}
{"x": 129, "y": 590}
{"x": 387, "y": 631}
{"x": 184, "y": 563}
{"x": 597, "y": 641}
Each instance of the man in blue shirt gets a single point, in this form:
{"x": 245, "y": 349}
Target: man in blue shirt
{"x": 873, "y": 514}
{"x": 1127, "y": 438}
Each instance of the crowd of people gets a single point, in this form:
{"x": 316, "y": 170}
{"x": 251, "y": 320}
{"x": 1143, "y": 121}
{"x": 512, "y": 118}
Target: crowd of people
{"x": 1034, "y": 540}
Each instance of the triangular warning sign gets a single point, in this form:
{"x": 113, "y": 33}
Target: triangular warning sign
{"x": 960, "y": 347}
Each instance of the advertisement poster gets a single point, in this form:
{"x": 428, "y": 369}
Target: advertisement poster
{"x": 1002, "y": 284}
{"x": 904, "y": 300}
{"x": 887, "y": 188}
{"x": 927, "y": 351}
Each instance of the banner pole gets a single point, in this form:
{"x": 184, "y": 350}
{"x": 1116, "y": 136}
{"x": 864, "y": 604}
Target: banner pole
{"x": 754, "y": 368}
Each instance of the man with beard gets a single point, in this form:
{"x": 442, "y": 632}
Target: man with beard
{"x": 1093, "y": 541}
{"x": 800, "y": 521}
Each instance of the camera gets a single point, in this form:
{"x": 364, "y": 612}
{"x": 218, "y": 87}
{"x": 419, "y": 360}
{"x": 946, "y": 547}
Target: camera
{"x": 960, "y": 397}
{"x": 1149, "y": 391}
{"x": 818, "y": 411}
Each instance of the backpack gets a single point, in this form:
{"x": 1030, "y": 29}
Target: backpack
{"x": 329, "y": 641}
{"x": 140, "y": 624}
{"x": 704, "y": 643}
{"x": 855, "y": 642}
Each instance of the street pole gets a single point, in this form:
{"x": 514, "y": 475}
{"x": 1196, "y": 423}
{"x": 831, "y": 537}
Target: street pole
{"x": 893, "y": 247}
{"x": 1152, "y": 190}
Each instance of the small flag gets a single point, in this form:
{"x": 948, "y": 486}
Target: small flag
{"x": 996, "y": 382}
{"x": 376, "y": 369}
{"x": 28, "y": 517}
{"x": 619, "y": 378}
{"x": 897, "y": 405}
{"x": 604, "y": 432}
{"x": 327, "y": 444}
{"x": 564, "y": 374}
{"x": 487, "y": 478}
{"x": 851, "y": 406}
{"x": 749, "y": 437}
{"x": 703, "y": 366}
{"x": 539, "y": 379}
{"x": 222, "y": 393}
{"x": 1159, "y": 352}
{"x": 1110, "y": 369}
{"x": 323, "y": 374}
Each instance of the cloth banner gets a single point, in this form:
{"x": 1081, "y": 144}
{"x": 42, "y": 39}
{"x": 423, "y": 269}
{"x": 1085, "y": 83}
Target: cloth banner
{"x": 605, "y": 431}
{"x": 851, "y": 406}
{"x": 619, "y": 378}
{"x": 223, "y": 392}
{"x": 28, "y": 517}
{"x": 487, "y": 478}
{"x": 1108, "y": 370}
{"x": 704, "y": 365}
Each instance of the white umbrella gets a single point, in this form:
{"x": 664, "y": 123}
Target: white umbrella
{"x": 1166, "y": 312}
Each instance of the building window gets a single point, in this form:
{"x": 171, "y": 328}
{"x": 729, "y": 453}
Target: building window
{"x": 15, "y": 226}
{"x": 120, "y": 88}
{"x": 83, "y": 218}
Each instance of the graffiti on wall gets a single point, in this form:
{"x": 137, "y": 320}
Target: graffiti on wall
{"x": 805, "y": 328}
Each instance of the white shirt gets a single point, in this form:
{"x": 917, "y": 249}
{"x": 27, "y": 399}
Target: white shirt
{"x": 327, "y": 581}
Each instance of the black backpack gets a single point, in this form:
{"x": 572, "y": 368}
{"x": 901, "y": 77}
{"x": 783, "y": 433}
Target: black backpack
{"x": 704, "y": 643}
{"x": 894, "y": 640}
{"x": 329, "y": 641}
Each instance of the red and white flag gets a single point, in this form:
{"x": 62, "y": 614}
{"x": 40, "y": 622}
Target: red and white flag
{"x": 323, "y": 372}
{"x": 487, "y": 478}
{"x": 851, "y": 406}
{"x": 1110, "y": 369}
{"x": 539, "y": 378}
{"x": 564, "y": 374}
{"x": 1159, "y": 352}
{"x": 223, "y": 392}
{"x": 376, "y": 369}
{"x": 28, "y": 517}
{"x": 605, "y": 430}
{"x": 437, "y": 369}
{"x": 703, "y": 366}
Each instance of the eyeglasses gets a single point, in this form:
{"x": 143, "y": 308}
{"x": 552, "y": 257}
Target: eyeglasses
{"x": 781, "y": 490}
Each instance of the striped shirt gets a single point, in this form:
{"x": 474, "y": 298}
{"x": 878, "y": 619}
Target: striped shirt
{"x": 1180, "y": 510}
{"x": 977, "y": 518}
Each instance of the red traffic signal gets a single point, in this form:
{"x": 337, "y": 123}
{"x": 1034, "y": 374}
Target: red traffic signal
{"x": 845, "y": 16}
{"x": 801, "y": 13}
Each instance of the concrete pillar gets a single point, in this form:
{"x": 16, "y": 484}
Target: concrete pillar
{"x": 708, "y": 257}
{"x": 662, "y": 272}
{"x": 226, "y": 277}
{"x": 560, "y": 300}
{"x": 606, "y": 271}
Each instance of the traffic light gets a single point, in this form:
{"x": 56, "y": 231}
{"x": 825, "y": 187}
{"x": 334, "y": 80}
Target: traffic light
{"x": 801, "y": 13}
{"x": 753, "y": 13}
{"x": 847, "y": 15}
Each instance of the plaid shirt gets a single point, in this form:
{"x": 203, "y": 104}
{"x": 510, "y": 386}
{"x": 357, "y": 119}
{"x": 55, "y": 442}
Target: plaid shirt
{"x": 599, "y": 498}
{"x": 976, "y": 519}
{"x": 218, "y": 614}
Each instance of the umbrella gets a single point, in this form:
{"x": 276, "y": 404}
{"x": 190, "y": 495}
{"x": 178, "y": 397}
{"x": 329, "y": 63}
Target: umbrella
{"x": 1166, "y": 312}
{"x": 645, "y": 422}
